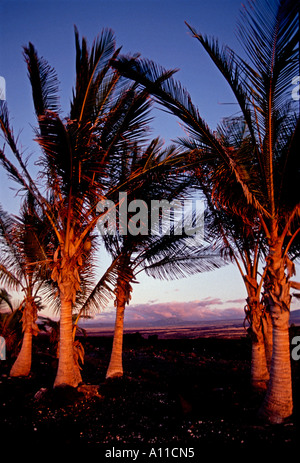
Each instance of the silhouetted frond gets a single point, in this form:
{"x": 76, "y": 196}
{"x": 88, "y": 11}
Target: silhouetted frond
{"x": 44, "y": 82}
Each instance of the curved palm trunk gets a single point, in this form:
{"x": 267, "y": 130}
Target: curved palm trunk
{"x": 278, "y": 403}
{"x": 115, "y": 368}
{"x": 22, "y": 364}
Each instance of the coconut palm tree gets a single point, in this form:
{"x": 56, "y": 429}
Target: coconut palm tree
{"x": 267, "y": 175}
{"x": 168, "y": 260}
{"x": 244, "y": 245}
{"x": 159, "y": 249}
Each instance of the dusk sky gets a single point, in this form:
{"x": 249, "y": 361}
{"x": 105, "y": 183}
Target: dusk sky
{"x": 156, "y": 29}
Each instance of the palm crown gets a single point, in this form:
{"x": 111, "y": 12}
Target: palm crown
{"x": 266, "y": 170}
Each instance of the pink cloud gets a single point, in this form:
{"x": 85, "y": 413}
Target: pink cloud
{"x": 177, "y": 312}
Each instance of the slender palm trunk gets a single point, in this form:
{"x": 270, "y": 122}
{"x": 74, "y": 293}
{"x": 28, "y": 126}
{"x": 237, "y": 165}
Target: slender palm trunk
{"x": 22, "y": 364}
{"x": 68, "y": 374}
{"x": 278, "y": 403}
{"x": 115, "y": 368}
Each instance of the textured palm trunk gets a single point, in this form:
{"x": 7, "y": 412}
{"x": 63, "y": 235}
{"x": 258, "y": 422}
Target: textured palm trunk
{"x": 22, "y": 364}
{"x": 268, "y": 337}
{"x": 115, "y": 368}
{"x": 278, "y": 403}
{"x": 259, "y": 368}
{"x": 67, "y": 373}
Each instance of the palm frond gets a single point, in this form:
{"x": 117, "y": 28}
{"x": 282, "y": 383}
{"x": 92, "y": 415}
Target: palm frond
{"x": 55, "y": 142}
{"x": 230, "y": 66}
{"x": 12, "y": 260}
{"x": 44, "y": 82}
{"x": 182, "y": 260}
{"x": 269, "y": 34}
{"x": 5, "y": 297}
{"x": 178, "y": 101}
{"x": 103, "y": 291}
{"x": 22, "y": 177}
{"x": 93, "y": 73}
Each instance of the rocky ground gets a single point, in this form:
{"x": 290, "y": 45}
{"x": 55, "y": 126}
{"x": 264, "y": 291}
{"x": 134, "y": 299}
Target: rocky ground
{"x": 179, "y": 393}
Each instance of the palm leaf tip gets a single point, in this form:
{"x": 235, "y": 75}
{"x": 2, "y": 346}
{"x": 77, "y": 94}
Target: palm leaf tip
{"x": 44, "y": 82}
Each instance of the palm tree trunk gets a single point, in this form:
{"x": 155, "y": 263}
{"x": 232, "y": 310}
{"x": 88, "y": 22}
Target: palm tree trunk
{"x": 68, "y": 373}
{"x": 259, "y": 369}
{"x": 268, "y": 337}
{"x": 278, "y": 403}
{"x": 115, "y": 368}
{"x": 22, "y": 364}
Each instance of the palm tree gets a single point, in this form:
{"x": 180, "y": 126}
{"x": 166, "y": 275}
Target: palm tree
{"x": 267, "y": 174}
{"x": 244, "y": 245}
{"x": 77, "y": 154}
{"x": 159, "y": 254}
{"x": 176, "y": 259}
{"x": 22, "y": 268}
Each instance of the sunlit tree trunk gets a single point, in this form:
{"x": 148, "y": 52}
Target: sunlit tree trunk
{"x": 22, "y": 364}
{"x": 268, "y": 336}
{"x": 68, "y": 373}
{"x": 259, "y": 371}
{"x": 278, "y": 403}
{"x": 115, "y": 368}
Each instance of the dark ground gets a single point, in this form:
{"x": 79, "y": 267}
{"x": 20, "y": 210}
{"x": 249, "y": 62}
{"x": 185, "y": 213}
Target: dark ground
{"x": 178, "y": 393}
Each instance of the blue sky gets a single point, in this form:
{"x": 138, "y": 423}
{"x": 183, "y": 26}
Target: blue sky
{"x": 156, "y": 30}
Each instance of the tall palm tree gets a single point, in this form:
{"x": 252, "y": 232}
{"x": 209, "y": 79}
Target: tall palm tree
{"x": 77, "y": 153}
{"x": 267, "y": 175}
{"x": 244, "y": 246}
{"x": 149, "y": 249}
